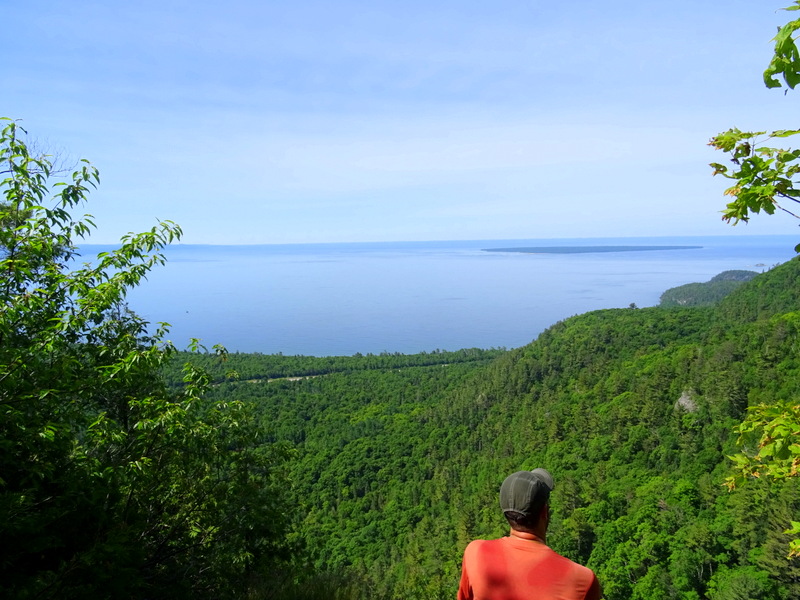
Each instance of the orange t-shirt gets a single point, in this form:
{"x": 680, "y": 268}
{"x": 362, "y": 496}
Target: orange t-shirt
{"x": 511, "y": 568}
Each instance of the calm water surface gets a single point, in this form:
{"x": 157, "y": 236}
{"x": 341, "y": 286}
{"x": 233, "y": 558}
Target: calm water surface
{"x": 339, "y": 299}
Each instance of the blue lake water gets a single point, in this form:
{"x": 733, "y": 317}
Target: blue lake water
{"x": 340, "y": 299}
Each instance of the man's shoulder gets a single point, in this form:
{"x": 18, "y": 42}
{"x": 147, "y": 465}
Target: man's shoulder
{"x": 510, "y": 544}
{"x": 572, "y": 563}
{"x": 520, "y": 557}
{"x": 483, "y": 547}
{"x": 579, "y": 573}
{"x": 582, "y": 577}
{"x": 474, "y": 545}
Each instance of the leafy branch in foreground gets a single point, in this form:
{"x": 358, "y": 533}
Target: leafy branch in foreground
{"x": 786, "y": 58}
{"x": 765, "y": 178}
{"x": 112, "y": 483}
{"x": 763, "y": 175}
{"x": 770, "y": 437}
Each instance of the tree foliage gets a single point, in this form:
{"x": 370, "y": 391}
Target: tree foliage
{"x": 112, "y": 484}
{"x": 708, "y": 293}
{"x": 399, "y": 458}
{"x": 766, "y": 178}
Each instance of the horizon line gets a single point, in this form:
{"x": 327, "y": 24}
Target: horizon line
{"x": 460, "y": 240}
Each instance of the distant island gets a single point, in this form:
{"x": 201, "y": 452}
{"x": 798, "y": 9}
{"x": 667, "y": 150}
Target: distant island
{"x": 587, "y": 249}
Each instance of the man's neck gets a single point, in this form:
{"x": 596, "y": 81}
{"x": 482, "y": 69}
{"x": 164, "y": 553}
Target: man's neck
{"x": 525, "y": 535}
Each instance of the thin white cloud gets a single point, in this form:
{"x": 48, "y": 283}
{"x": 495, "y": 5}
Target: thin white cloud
{"x": 315, "y": 121}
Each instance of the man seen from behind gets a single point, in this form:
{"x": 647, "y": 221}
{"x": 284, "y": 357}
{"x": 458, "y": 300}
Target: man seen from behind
{"x": 521, "y": 566}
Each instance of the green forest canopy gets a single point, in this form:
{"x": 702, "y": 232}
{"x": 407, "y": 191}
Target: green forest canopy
{"x": 710, "y": 292}
{"x": 398, "y": 466}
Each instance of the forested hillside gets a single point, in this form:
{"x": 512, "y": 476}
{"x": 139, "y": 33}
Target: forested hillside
{"x": 633, "y": 410}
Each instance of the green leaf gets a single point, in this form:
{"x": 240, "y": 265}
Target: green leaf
{"x": 781, "y": 133}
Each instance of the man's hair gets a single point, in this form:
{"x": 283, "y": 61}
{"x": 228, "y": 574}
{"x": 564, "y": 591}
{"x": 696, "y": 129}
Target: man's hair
{"x": 520, "y": 522}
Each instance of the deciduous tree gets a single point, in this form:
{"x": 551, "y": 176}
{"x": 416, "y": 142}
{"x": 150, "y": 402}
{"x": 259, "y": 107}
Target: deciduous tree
{"x": 767, "y": 178}
{"x": 112, "y": 483}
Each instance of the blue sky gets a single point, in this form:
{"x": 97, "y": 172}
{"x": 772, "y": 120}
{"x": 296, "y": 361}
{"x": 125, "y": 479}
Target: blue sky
{"x": 309, "y": 121}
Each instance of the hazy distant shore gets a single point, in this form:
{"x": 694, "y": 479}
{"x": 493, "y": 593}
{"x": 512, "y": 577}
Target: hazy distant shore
{"x": 588, "y": 249}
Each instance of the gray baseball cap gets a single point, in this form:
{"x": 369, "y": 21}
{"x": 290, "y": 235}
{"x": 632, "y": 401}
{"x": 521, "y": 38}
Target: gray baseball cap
{"x": 526, "y": 492}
